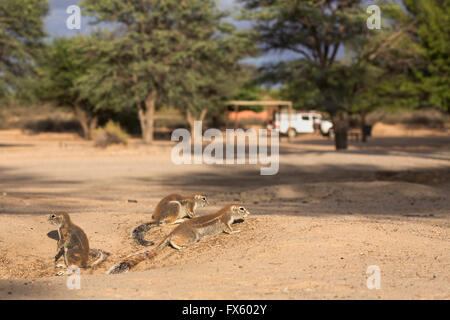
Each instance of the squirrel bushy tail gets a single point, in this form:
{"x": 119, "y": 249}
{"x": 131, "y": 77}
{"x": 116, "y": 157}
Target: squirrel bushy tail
{"x": 138, "y": 233}
{"x": 136, "y": 258}
{"x": 99, "y": 254}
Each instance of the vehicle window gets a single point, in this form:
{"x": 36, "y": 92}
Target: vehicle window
{"x": 305, "y": 117}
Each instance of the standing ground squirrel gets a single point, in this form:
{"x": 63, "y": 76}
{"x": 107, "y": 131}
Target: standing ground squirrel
{"x": 170, "y": 210}
{"x": 73, "y": 244}
{"x": 188, "y": 233}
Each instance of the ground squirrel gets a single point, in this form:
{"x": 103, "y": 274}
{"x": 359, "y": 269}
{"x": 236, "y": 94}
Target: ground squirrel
{"x": 73, "y": 244}
{"x": 188, "y": 233}
{"x": 170, "y": 210}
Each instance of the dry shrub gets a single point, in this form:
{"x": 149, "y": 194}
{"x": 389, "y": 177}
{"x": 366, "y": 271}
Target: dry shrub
{"x": 110, "y": 134}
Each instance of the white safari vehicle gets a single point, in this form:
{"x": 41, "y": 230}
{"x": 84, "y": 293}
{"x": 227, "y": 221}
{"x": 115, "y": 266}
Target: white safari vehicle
{"x": 301, "y": 122}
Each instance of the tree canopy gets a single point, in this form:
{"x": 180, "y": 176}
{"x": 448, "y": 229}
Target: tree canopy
{"x": 162, "y": 52}
{"x": 65, "y": 62}
{"x": 389, "y": 67}
{"x": 313, "y": 32}
{"x": 21, "y": 34}
{"x": 431, "y": 21}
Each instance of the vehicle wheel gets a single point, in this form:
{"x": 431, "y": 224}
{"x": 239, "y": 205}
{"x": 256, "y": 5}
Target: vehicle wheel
{"x": 292, "y": 133}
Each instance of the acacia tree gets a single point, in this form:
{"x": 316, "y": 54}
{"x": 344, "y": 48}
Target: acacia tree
{"x": 375, "y": 72}
{"x": 214, "y": 78}
{"x": 159, "y": 51}
{"x": 65, "y": 62}
{"x": 313, "y": 31}
{"x": 430, "y": 24}
{"x": 398, "y": 65}
{"x": 21, "y": 34}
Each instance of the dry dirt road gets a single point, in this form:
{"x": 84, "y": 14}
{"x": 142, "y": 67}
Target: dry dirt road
{"x": 314, "y": 230}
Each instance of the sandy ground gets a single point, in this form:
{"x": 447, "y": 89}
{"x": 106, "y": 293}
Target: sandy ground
{"x": 315, "y": 227}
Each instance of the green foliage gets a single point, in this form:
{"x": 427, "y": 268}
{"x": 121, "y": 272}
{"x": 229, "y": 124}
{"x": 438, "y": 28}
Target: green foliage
{"x": 179, "y": 53}
{"x": 101, "y": 84}
{"x": 21, "y": 34}
{"x": 216, "y": 75}
{"x": 313, "y": 31}
{"x": 432, "y": 79}
{"x": 403, "y": 65}
{"x": 249, "y": 91}
{"x": 62, "y": 66}
{"x": 67, "y": 62}
{"x": 406, "y": 65}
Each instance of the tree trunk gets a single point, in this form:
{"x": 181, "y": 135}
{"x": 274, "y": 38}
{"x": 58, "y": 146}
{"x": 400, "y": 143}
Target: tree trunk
{"x": 203, "y": 114}
{"x": 88, "y": 123}
{"x": 340, "y": 125}
{"x": 191, "y": 119}
{"x": 363, "y": 126}
{"x": 92, "y": 126}
{"x": 147, "y": 117}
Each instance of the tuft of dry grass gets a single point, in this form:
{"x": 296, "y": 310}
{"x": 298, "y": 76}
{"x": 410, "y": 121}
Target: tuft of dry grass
{"x": 110, "y": 134}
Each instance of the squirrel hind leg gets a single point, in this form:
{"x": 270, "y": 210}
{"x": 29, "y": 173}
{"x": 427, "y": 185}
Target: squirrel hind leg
{"x": 174, "y": 245}
{"x": 180, "y": 241}
{"x": 77, "y": 258}
{"x": 170, "y": 212}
